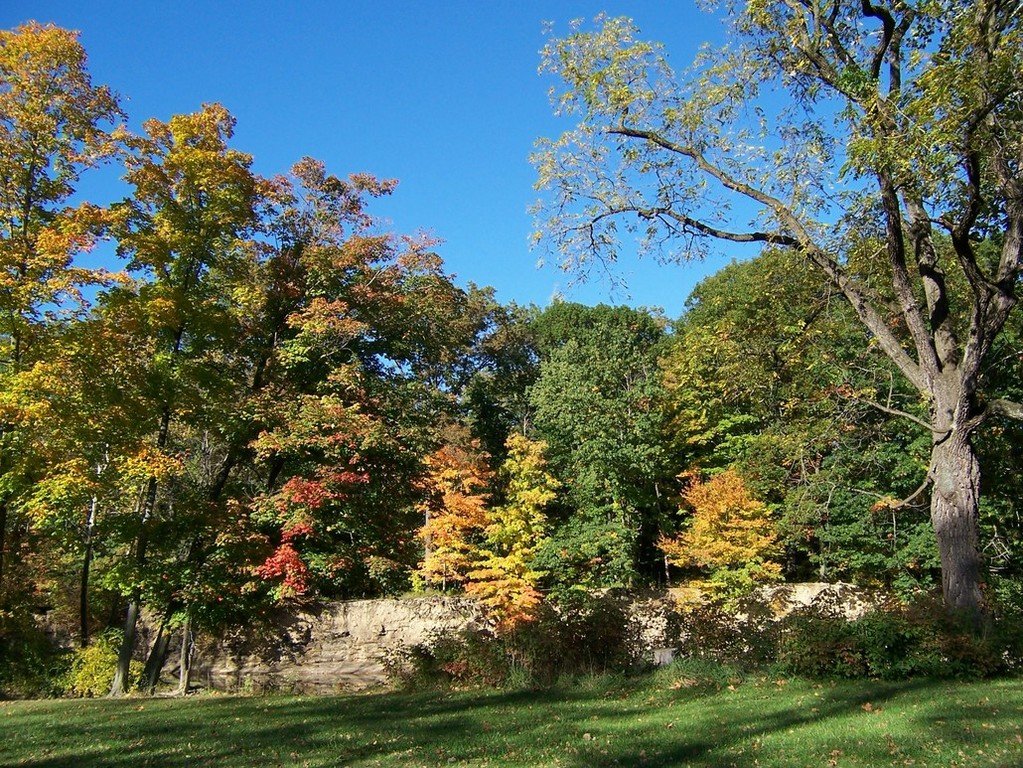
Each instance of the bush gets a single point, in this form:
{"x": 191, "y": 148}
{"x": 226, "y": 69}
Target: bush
{"x": 896, "y": 641}
{"x": 745, "y": 638}
{"x": 591, "y": 635}
{"x": 469, "y": 659}
{"x": 92, "y": 668}
{"x": 917, "y": 640}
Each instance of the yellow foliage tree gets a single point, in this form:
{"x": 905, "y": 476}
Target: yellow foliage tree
{"x": 732, "y": 537}
{"x": 504, "y": 579}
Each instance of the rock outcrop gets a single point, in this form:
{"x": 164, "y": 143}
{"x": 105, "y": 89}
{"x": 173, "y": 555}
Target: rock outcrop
{"x": 344, "y": 646}
{"x": 340, "y": 647}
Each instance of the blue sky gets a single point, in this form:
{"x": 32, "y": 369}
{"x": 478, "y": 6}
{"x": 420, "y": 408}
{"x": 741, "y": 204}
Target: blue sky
{"x": 443, "y": 96}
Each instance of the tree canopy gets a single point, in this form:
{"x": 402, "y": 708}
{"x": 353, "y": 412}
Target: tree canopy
{"x": 270, "y": 397}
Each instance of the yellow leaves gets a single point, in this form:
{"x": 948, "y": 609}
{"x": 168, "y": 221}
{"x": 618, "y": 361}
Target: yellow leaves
{"x": 49, "y": 100}
{"x": 488, "y": 551}
{"x": 149, "y": 463}
{"x": 730, "y": 529}
{"x": 885, "y": 504}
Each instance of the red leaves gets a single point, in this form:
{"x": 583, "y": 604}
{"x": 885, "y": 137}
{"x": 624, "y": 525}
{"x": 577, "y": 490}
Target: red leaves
{"x": 309, "y": 493}
{"x": 313, "y": 494}
{"x": 294, "y": 530}
{"x": 286, "y": 564}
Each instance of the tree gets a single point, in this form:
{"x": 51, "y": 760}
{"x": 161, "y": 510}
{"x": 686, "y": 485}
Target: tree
{"x": 52, "y": 129}
{"x": 186, "y": 231}
{"x": 769, "y": 374}
{"x": 842, "y": 126}
{"x": 731, "y": 536}
{"x": 455, "y": 511}
{"x": 597, "y": 406}
{"x": 504, "y": 577}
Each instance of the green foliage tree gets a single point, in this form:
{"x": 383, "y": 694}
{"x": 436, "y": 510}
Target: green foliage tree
{"x": 898, "y": 121}
{"x": 596, "y": 405}
{"x": 769, "y": 373}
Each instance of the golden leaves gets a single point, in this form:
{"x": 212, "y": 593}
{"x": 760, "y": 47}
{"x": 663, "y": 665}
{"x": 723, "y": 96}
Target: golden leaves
{"x": 730, "y": 530}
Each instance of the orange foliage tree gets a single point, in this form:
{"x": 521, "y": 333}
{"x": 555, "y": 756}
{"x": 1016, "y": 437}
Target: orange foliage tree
{"x": 732, "y": 537}
{"x": 455, "y": 512}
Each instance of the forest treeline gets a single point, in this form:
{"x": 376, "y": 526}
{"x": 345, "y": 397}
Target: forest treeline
{"x": 266, "y": 396}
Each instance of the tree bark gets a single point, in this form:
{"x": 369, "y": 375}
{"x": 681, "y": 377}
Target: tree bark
{"x": 122, "y": 672}
{"x": 83, "y": 594}
{"x": 131, "y": 619}
{"x": 157, "y": 657}
{"x": 3, "y": 541}
{"x": 955, "y": 516}
{"x": 185, "y": 668}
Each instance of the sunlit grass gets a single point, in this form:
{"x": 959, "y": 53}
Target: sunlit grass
{"x": 667, "y": 719}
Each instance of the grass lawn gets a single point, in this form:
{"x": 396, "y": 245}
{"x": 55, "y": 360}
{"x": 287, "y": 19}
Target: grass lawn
{"x": 665, "y": 719}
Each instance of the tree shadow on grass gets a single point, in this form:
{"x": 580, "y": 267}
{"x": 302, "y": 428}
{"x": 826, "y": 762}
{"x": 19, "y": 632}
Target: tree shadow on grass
{"x": 628, "y": 725}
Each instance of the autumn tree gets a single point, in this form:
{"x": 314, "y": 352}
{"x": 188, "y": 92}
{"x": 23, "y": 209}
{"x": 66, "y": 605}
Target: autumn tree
{"x": 731, "y": 537}
{"x": 839, "y": 126}
{"x": 369, "y": 342}
{"x": 185, "y": 232}
{"x": 54, "y": 125}
{"x": 504, "y": 577}
{"x": 454, "y": 511}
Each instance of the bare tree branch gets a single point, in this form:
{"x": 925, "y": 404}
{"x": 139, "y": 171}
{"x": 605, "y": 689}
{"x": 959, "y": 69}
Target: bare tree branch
{"x": 861, "y": 304}
{"x": 896, "y": 412}
{"x": 687, "y": 222}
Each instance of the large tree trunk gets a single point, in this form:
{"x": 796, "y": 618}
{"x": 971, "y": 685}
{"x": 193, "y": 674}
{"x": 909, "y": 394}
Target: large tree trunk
{"x": 955, "y": 517}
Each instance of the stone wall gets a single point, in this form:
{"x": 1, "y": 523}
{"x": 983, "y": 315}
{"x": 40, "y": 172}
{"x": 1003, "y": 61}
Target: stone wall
{"x": 342, "y": 646}
{"x": 339, "y": 647}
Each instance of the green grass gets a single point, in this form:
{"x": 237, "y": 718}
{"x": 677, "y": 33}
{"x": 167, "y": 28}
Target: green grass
{"x": 660, "y": 720}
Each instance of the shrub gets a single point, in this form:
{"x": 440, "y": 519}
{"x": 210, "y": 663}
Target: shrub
{"x": 591, "y": 635}
{"x": 468, "y": 659}
{"x": 92, "y": 668}
{"x": 917, "y": 640}
{"x": 745, "y": 638}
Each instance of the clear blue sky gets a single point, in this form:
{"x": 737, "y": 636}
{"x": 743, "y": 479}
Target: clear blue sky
{"x": 443, "y": 96}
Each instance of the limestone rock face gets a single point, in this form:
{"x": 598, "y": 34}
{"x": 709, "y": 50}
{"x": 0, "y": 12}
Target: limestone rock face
{"x": 840, "y": 599}
{"x": 340, "y": 647}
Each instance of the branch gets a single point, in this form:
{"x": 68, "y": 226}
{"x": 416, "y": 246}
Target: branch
{"x": 933, "y": 278}
{"x": 1006, "y": 408}
{"x": 882, "y": 14}
{"x": 895, "y": 412}
{"x": 863, "y": 307}
{"x": 896, "y": 247}
{"x": 773, "y": 238}
{"x": 909, "y": 499}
